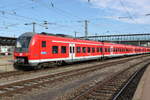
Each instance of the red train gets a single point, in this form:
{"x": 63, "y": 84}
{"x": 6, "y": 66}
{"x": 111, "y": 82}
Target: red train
{"x": 41, "y": 50}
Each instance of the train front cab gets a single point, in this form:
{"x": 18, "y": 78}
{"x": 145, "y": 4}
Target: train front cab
{"x": 21, "y": 52}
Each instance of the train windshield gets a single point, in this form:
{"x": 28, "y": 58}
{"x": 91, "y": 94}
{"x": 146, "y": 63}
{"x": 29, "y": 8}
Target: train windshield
{"x": 22, "y": 44}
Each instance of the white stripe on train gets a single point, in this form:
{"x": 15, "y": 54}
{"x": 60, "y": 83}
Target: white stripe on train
{"x": 78, "y": 58}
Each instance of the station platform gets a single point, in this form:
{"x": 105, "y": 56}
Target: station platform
{"x": 6, "y": 63}
{"x": 143, "y": 89}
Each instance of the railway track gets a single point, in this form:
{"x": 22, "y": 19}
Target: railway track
{"x": 22, "y": 85}
{"x": 112, "y": 87}
{"x": 16, "y": 73}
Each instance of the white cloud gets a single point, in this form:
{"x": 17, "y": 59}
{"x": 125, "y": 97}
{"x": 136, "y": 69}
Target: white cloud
{"x": 135, "y": 8}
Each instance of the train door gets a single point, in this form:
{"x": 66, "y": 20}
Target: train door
{"x": 72, "y": 51}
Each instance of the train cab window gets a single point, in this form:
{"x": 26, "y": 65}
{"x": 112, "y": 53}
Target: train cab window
{"x": 84, "y": 49}
{"x": 55, "y": 49}
{"x": 63, "y": 49}
{"x": 93, "y": 50}
{"x": 78, "y": 49}
{"x": 89, "y": 49}
{"x": 43, "y": 43}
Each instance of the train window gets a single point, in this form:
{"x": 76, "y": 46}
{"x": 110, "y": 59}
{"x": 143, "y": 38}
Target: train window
{"x": 55, "y": 49}
{"x": 93, "y": 50}
{"x": 108, "y": 49}
{"x": 43, "y": 43}
{"x": 89, "y": 49}
{"x": 63, "y": 49}
{"x": 84, "y": 49}
{"x": 78, "y": 49}
{"x": 97, "y": 49}
{"x": 100, "y": 49}
{"x": 117, "y": 49}
{"x": 114, "y": 50}
{"x": 105, "y": 49}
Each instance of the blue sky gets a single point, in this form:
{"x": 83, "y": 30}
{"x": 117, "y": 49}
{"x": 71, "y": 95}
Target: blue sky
{"x": 67, "y": 16}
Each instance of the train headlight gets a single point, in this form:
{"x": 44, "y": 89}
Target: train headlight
{"x": 20, "y": 60}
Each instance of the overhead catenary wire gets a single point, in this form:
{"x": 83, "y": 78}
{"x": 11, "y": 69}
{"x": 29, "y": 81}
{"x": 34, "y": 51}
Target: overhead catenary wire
{"x": 129, "y": 14}
{"x": 51, "y": 5}
{"x": 17, "y": 15}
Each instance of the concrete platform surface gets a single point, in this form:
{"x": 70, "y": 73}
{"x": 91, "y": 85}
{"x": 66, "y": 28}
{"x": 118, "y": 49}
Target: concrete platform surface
{"x": 143, "y": 89}
{"x": 6, "y": 63}
{"x": 6, "y": 60}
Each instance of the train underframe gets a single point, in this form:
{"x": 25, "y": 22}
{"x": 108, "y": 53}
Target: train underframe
{"x": 24, "y": 63}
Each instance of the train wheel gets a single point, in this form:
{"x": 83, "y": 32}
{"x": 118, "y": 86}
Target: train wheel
{"x": 39, "y": 66}
{"x": 59, "y": 63}
{"x": 16, "y": 67}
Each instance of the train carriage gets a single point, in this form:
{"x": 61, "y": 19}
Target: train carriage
{"x": 40, "y": 50}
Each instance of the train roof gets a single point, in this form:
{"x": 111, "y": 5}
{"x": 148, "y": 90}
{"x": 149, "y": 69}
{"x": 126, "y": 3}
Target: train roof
{"x": 69, "y": 38}
{"x": 28, "y": 34}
